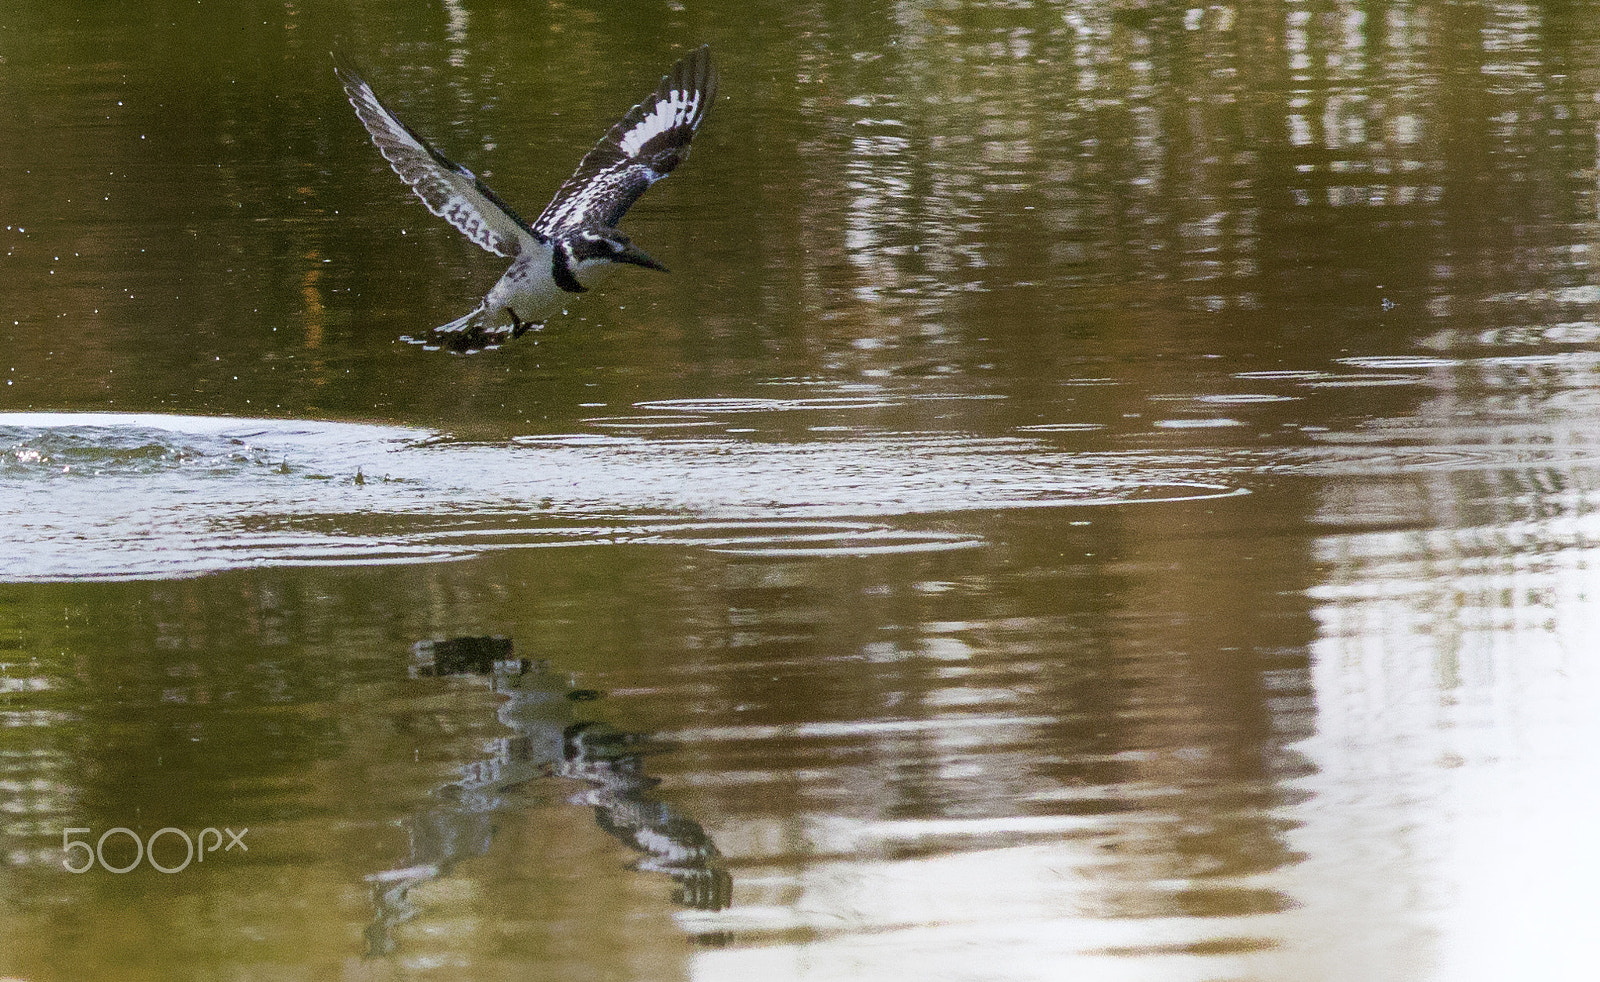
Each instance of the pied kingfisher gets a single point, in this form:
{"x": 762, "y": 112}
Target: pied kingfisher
{"x": 576, "y": 237}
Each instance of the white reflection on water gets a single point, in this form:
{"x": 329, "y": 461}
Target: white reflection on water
{"x": 105, "y": 495}
{"x": 1442, "y": 827}
{"x": 1448, "y": 831}
{"x": 1450, "y": 834}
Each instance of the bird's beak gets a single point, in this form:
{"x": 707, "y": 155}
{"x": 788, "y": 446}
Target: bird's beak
{"x": 637, "y": 256}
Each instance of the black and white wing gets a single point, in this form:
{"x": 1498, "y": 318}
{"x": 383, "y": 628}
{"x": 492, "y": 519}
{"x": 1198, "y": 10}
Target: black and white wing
{"x": 449, "y": 190}
{"x": 645, "y": 146}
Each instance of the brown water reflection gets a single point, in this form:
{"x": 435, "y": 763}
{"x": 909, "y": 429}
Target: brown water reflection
{"x": 1334, "y": 256}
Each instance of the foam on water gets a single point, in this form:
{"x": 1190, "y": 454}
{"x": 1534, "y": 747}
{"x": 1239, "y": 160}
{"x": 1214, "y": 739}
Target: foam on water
{"x": 109, "y": 495}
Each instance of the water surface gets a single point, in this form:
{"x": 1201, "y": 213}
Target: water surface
{"x": 1106, "y": 490}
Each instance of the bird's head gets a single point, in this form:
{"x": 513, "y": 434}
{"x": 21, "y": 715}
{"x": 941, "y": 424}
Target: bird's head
{"x": 594, "y": 249}
{"x": 609, "y": 245}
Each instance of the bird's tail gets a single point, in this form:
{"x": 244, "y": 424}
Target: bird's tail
{"x": 479, "y": 330}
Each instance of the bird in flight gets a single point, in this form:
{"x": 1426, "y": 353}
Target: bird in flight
{"x": 576, "y": 237}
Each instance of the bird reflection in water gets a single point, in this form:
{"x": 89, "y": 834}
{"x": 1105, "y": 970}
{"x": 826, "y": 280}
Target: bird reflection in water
{"x": 548, "y": 739}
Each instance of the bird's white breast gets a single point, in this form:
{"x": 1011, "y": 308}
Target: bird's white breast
{"x": 529, "y": 286}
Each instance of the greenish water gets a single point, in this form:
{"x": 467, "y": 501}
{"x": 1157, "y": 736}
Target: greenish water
{"x": 1107, "y": 490}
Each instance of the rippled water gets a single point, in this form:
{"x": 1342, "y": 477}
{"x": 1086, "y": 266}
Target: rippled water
{"x": 1107, "y": 491}
{"x": 102, "y": 495}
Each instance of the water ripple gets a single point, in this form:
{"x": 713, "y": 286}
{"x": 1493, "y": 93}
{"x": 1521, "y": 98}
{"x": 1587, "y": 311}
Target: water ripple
{"x": 735, "y": 405}
{"x": 108, "y": 495}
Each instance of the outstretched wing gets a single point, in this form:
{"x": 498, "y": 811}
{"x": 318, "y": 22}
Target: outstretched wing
{"x": 449, "y": 190}
{"x": 645, "y": 146}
